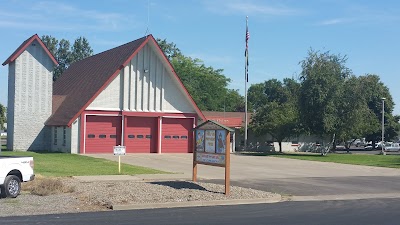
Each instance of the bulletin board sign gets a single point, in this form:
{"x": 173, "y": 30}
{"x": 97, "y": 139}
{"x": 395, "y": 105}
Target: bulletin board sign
{"x": 212, "y": 147}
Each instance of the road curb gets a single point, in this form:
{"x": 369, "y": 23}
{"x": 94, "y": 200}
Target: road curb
{"x": 341, "y": 197}
{"x": 274, "y": 199}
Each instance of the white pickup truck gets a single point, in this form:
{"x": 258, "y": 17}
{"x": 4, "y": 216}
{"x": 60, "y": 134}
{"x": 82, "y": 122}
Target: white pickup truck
{"x": 13, "y": 171}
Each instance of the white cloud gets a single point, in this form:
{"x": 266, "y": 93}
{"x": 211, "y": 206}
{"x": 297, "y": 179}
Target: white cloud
{"x": 333, "y": 21}
{"x": 61, "y": 16}
{"x": 362, "y": 14}
{"x": 250, "y": 8}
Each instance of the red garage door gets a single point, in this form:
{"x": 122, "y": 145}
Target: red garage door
{"x": 102, "y": 133}
{"x": 177, "y": 135}
{"x": 141, "y": 135}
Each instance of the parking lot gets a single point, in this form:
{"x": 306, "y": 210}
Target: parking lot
{"x": 284, "y": 176}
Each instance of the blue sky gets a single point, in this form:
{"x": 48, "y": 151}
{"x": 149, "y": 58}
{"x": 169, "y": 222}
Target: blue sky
{"x": 281, "y": 32}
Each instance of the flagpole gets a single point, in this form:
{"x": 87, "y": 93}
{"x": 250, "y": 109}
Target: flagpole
{"x": 245, "y": 85}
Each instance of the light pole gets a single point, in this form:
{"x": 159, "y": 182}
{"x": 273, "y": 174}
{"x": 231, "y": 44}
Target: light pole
{"x": 383, "y": 127}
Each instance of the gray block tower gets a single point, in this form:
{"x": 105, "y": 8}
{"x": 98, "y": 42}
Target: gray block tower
{"x": 30, "y": 88}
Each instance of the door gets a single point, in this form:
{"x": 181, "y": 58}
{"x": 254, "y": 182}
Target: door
{"x": 141, "y": 135}
{"x": 102, "y": 134}
{"x": 177, "y": 135}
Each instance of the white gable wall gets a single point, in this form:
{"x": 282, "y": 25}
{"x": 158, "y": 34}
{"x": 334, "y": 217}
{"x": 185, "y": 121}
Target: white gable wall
{"x": 109, "y": 98}
{"x": 146, "y": 84}
{"x": 174, "y": 97}
{"x": 29, "y": 99}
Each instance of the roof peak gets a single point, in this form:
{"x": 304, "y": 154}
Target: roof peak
{"x": 24, "y": 45}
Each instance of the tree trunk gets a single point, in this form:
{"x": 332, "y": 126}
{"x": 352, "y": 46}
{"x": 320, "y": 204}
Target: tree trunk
{"x": 280, "y": 146}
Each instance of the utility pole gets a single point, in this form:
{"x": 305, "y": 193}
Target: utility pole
{"x": 383, "y": 128}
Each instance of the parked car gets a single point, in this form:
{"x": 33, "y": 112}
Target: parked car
{"x": 393, "y": 147}
{"x": 360, "y": 144}
{"x": 368, "y": 147}
{"x": 378, "y": 146}
{"x": 13, "y": 171}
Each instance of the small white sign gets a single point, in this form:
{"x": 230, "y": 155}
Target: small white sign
{"x": 119, "y": 150}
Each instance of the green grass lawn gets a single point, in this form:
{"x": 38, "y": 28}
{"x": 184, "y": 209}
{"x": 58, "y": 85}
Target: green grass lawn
{"x": 63, "y": 164}
{"x": 392, "y": 161}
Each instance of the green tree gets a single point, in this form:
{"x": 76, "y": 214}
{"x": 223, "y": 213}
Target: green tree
{"x": 169, "y": 49}
{"x": 333, "y": 101}
{"x": 3, "y": 117}
{"x": 256, "y": 96}
{"x": 354, "y": 118}
{"x": 206, "y": 85}
{"x": 65, "y": 54}
{"x": 276, "y": 111}
{"x": 373, "y": 92}
{"x": 80, "y": 49}
{"x": 322, "y": 89}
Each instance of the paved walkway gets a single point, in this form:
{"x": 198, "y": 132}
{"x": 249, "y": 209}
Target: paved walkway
{"x": 255, "y": 167}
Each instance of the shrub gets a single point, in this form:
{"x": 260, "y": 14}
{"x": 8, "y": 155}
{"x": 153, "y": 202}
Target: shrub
{"x": 44, "y": 186}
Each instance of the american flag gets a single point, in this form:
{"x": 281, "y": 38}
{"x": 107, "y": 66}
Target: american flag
{"x": 247, "y": 36}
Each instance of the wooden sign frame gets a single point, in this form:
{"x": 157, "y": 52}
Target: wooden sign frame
{"x": 212, "y": 147}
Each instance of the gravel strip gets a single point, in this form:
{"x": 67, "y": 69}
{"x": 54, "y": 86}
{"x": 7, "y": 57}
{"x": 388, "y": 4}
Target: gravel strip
{"x": 101, "y": 195}
{"x": 27, "y": 204}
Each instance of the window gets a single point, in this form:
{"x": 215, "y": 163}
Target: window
{"x": 175, "y": 137}
{"x": 139, "y": 136}
{"x": 184, "y": 137}
{"x": 167, "y": 137}
{"x": 64, "y": 135}
{"x": 131, "y": 136}
{"x": 55, "y": 136}
{"x": 295, "y": 143}
{"x": 91, "y": 136}
{"x": 148, "y": 136}
{"x": 113, "y": 136}
{"x": 102, "y": 136}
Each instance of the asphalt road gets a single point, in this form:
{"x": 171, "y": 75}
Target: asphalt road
{"x": 375, "y": 211}
{"x": 320, "y": 186}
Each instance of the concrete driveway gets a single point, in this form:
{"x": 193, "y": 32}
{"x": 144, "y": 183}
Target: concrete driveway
{"x": 284, "y": 176}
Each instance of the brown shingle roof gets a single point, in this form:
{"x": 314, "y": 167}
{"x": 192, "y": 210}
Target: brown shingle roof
{"x": 84, "y": 79}
{"x": 24, "y": 45}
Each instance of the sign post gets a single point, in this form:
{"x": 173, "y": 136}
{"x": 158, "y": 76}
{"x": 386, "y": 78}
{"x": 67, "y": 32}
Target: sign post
{"x": 119, "y": 150}
{"x": 212, "y": 147}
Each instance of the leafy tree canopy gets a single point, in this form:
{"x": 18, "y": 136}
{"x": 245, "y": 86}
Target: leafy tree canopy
{"x": 66, "y": 54}
{"x": 3, "y": 118}
{"x": 276, "y": 112}
{"x": 329, "y": 100}
{"x": 322, "y": 78}
{"x": 334, "y": 101}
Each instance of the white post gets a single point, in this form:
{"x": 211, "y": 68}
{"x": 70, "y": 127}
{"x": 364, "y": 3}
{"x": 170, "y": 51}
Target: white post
{"x": 119, "y": 164}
